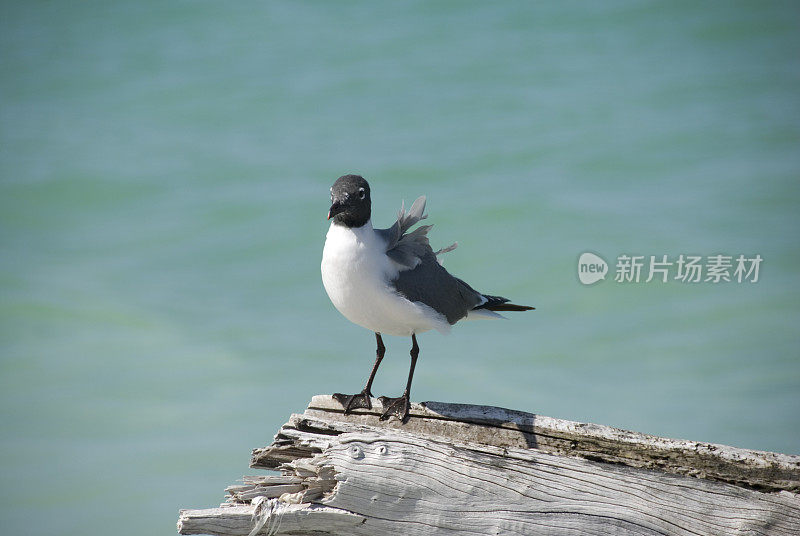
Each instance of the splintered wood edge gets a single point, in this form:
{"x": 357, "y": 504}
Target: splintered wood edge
{"x": 766, "y": 471}
{"x": 293, "y": 518}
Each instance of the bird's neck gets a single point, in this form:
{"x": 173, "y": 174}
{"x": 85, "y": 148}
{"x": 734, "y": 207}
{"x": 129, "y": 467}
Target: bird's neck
{"x": 351, "y": 222}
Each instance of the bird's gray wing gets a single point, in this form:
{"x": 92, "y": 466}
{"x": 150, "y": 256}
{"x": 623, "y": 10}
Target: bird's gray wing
{"x": 432, "y": 285}
{"x": 408, "y": 249}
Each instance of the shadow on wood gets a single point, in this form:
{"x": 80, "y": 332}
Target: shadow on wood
{"x": 459, "y": 469}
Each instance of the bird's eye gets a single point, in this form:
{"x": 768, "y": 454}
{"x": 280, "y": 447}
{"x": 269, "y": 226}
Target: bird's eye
{"x": 362, "y": 193}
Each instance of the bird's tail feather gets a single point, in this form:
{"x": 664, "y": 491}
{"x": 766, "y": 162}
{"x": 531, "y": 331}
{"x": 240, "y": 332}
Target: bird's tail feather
{"x": 498, "y": 303}
{"x": 480, "y": 314}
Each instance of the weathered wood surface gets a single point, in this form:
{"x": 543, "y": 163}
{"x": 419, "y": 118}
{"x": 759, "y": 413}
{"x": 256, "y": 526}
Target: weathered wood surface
{"x": 509, "y": 428}
{"x": 458, "y": 469}
{"x": 284, "y": 518}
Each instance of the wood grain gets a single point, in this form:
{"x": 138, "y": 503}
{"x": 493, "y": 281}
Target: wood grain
{"x": 458, "y": 469}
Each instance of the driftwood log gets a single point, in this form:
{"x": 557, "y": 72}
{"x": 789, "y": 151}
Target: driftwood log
{"x": 457, "y": 469}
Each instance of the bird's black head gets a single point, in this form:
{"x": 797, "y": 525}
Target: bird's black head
{"x": 350, "y": 202}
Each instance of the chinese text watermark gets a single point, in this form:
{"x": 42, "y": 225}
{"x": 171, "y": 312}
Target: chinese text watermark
{"x": 663, "y": 268}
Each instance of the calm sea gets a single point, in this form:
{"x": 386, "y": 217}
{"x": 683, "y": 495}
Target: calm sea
{"x": 164, "y": 175}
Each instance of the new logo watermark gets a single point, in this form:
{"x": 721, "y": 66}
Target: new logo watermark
{"x": 591, "y": 268}
{"x": 684, "y": 268}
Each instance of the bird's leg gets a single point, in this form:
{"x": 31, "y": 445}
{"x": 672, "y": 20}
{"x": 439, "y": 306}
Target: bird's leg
{"x": 362, "y": 399}
{"x": 400, "y": 406}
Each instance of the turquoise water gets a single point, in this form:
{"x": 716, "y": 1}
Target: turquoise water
{"x": 164, "y": 175}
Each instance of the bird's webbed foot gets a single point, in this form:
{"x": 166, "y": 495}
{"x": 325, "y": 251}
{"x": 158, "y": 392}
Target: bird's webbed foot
{"x": 351, "y": 402}
{"x": 399, "y": 407}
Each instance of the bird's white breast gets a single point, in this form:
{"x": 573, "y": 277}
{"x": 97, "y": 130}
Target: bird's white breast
{"x": 356, "y": 273}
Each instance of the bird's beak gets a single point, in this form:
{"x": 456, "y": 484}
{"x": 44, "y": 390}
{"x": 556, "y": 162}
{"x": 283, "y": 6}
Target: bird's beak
{"x": 335, "y": 209}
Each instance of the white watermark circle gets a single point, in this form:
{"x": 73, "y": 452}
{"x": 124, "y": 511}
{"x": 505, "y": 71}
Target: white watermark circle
{"x": 591, "y": 268}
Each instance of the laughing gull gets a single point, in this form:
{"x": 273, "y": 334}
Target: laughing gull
{"x": 390, "y": 282}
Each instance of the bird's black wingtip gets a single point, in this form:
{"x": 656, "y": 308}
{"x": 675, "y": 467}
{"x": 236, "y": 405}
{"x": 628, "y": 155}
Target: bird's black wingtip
{"x": 499, "y": 303}
{"x": 508, "y": 307}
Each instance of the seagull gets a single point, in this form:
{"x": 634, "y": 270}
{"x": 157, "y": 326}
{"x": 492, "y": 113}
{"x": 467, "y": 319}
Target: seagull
{"x": 390, "y": 281}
